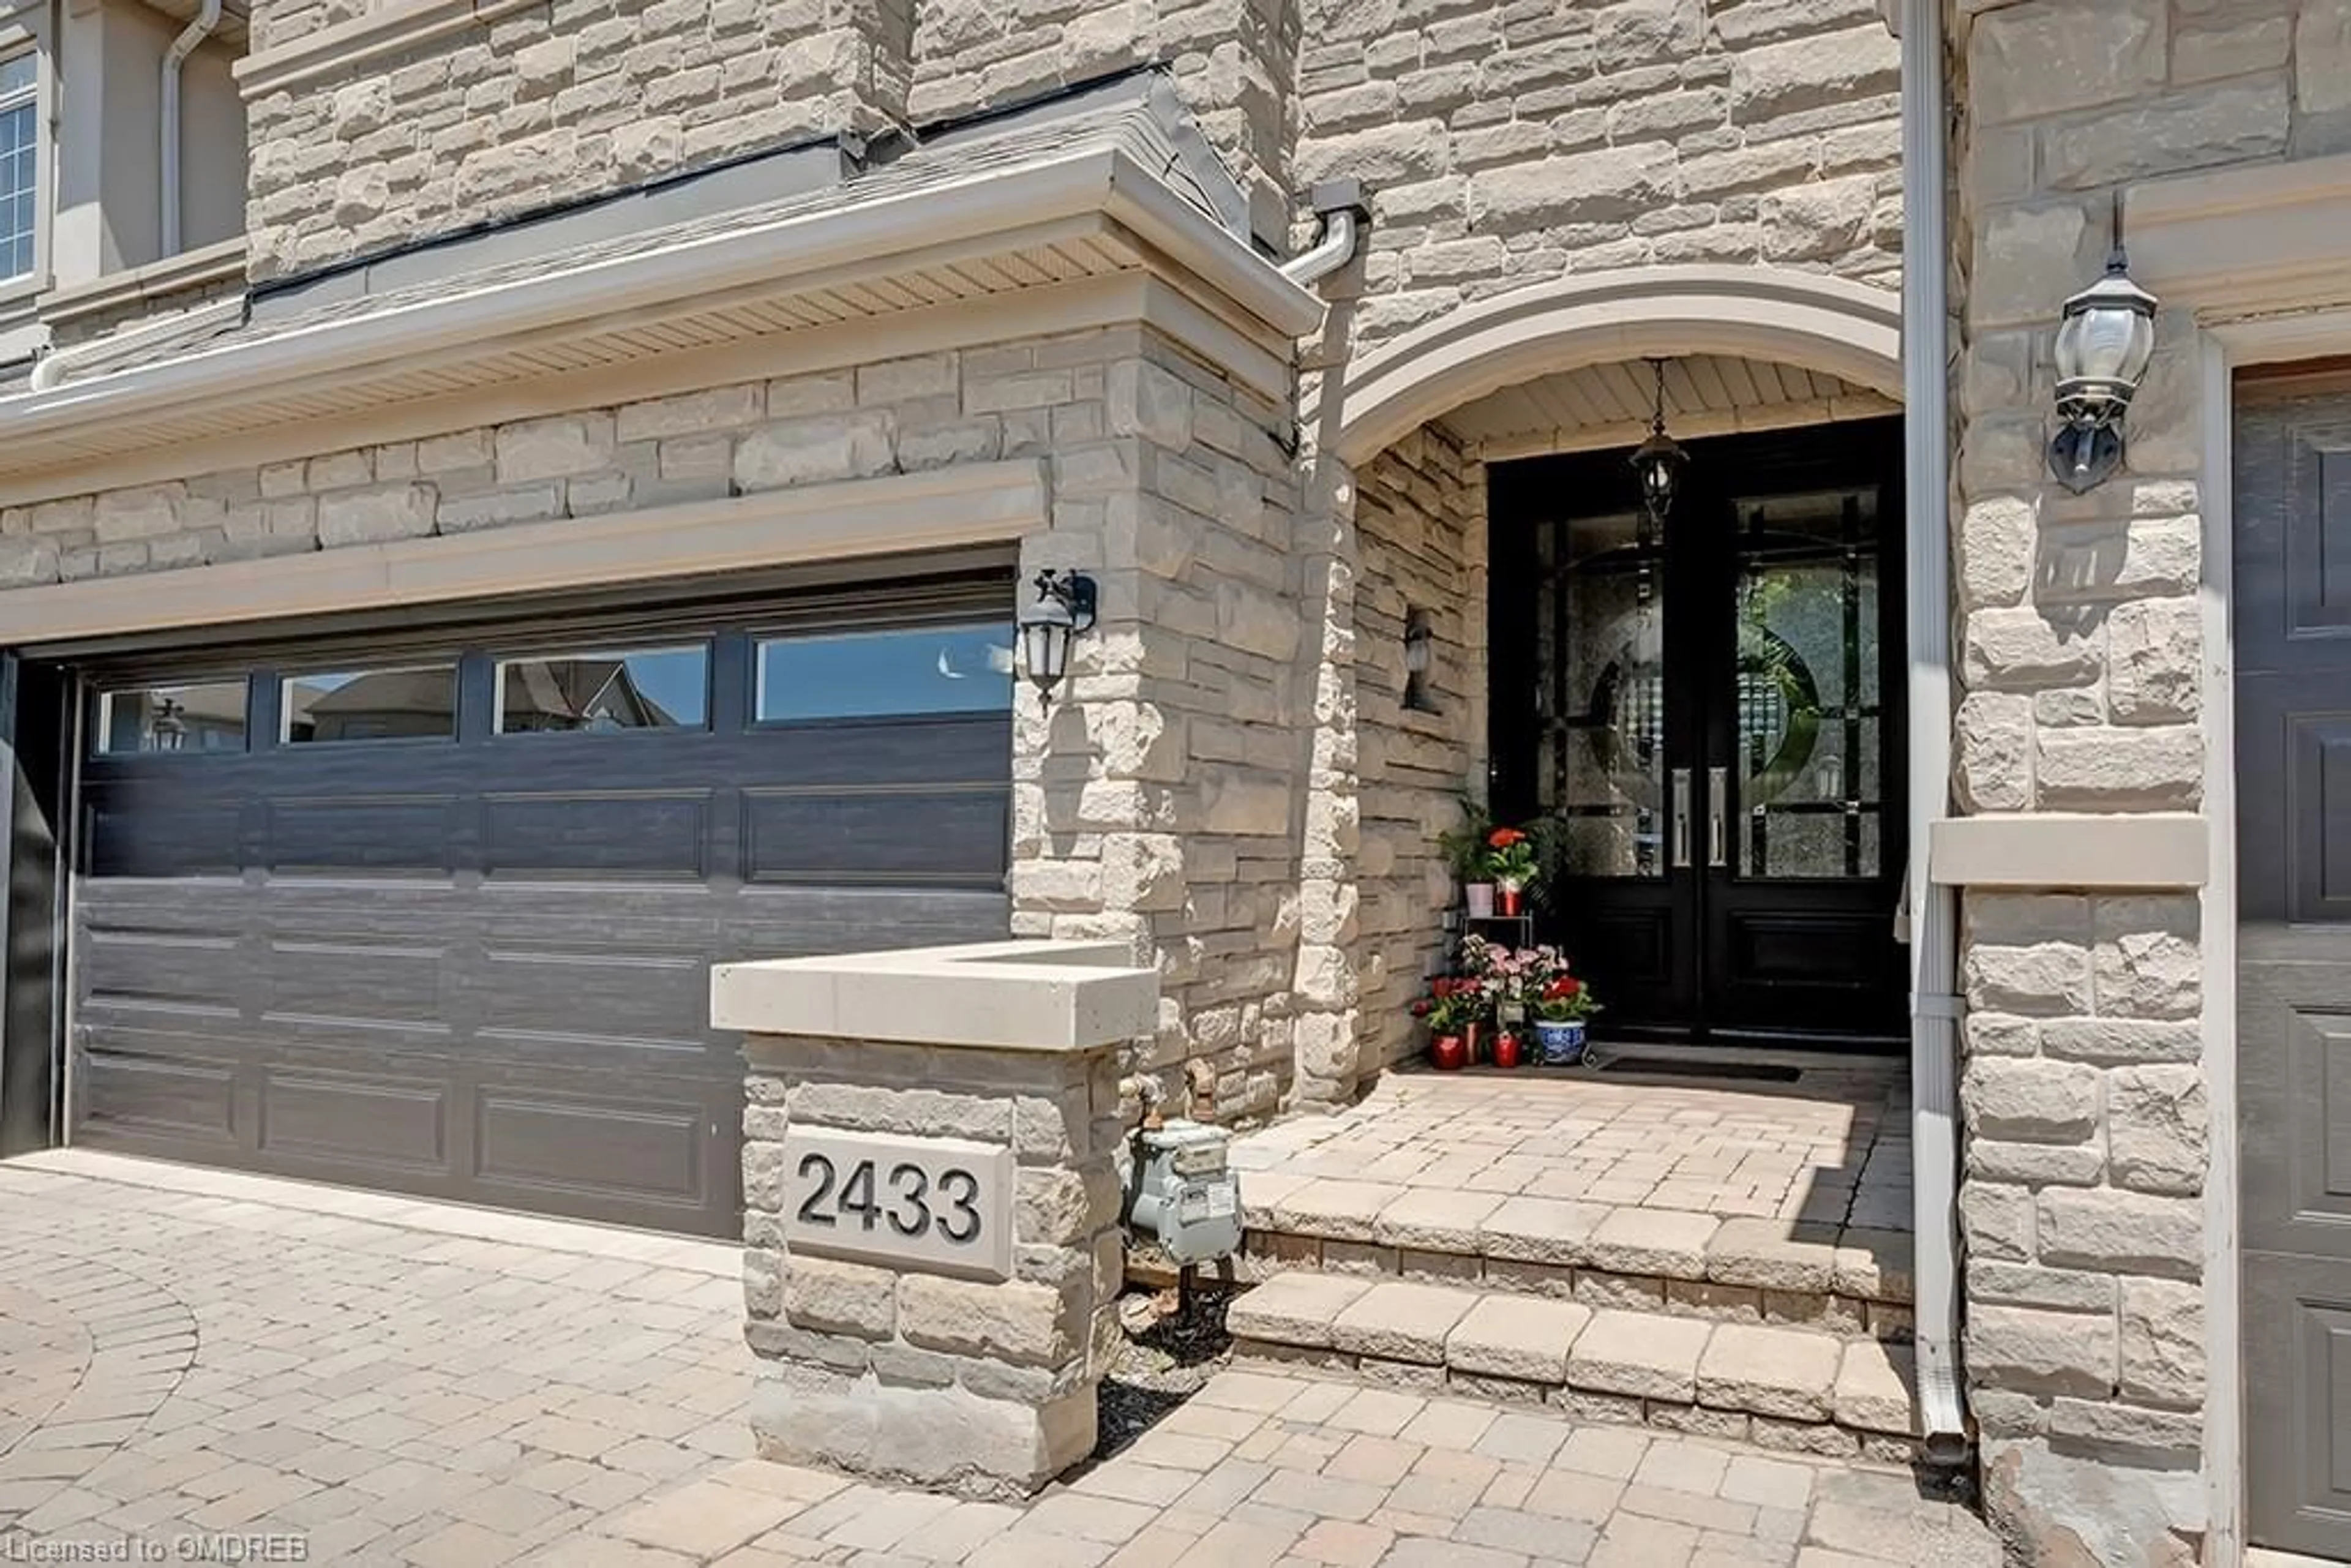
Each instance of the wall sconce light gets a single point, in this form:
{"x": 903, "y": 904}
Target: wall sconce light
{"x": 1659, "y": 461}
{"x": 1064, "y": 607}
{"x": 2104, "y": 344}
{"x": 1419, "y": 656}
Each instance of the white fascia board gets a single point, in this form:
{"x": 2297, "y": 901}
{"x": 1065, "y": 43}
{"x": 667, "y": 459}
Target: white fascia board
{"x": 1093, "y": 182}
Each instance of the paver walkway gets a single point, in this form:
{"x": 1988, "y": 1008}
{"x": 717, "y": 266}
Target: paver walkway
{"x": 1832, "y": 1146}
{"x": 186, "y": 1357}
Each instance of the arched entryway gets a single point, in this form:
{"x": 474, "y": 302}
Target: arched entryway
{"x": 1714, "y": 704}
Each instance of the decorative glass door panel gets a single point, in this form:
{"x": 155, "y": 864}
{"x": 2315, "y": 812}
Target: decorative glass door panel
{"x": 1808, "y": 791}
{"x": 1604, "y": 707}
{"x": 1706, "y": 711}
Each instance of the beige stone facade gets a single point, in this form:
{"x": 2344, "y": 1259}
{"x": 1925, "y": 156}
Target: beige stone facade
{"x": 2084, "y": 650}
{"x": 1233, "y": 783}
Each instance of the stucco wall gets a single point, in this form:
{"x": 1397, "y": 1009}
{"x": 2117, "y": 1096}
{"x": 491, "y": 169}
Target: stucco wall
{"x": 2085, "y": 1105}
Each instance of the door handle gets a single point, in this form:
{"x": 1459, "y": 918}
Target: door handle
{"x": 1681, "y": 815}
{"x": 1718, "y": 794}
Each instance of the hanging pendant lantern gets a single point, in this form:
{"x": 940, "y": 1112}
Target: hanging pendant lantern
{"x": 1659, "y": 460}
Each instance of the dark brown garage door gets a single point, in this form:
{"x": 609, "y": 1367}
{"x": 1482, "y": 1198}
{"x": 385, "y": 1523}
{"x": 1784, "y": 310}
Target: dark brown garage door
{"x": 436, "y": 912}
{"x": 2292, "y": 641}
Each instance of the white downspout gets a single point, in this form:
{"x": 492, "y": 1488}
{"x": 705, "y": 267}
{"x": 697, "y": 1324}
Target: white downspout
{"x": 1339, "y": 204}
{"x": 207, "y": 18}
{"x": 1935, "y": 1009}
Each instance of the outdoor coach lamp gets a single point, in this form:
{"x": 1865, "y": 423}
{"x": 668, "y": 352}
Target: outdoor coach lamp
{"x": 1064, "y": 607}
{"x": 2104, "y": 345}
{"x": 1659, "y": 461}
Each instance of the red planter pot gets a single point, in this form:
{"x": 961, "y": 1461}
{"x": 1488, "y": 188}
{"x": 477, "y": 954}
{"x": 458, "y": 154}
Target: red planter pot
{"x": 1448, "y": 1053}
{"x": 1506, "y": 1050}
{"x": 1508, "y": 898}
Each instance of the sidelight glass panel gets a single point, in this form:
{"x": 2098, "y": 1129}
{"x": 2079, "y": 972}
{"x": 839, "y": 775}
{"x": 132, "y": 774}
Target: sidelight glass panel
{"x": 863, "y": 675}
{"x": 409, "y": 702}
{"x": 1602, "y": 640}
{"x": 1811, "y": 716}
{"x": 207, "y": 715}
{"x": 605, "y": 691}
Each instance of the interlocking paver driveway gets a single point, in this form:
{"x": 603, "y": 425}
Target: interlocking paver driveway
{"x": 189, "y": 1358}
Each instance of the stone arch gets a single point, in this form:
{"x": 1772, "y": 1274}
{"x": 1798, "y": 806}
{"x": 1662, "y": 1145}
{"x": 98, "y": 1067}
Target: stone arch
{"x": 1849, "y": 329}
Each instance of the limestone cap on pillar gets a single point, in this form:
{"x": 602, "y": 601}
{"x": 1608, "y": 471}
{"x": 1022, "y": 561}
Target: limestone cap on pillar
{"x": 1022, "y": 996}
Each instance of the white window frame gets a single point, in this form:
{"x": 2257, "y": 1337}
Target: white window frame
{"x": 22, "y": 33}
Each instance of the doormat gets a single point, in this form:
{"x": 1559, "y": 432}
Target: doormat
{"x": 1675, "y": 1067}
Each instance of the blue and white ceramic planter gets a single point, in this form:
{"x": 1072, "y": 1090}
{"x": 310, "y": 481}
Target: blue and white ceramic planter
{"x": 1559, "y": 1044}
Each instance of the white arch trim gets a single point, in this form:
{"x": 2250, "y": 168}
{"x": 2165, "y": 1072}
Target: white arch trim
{"x": 1848, "y": 330}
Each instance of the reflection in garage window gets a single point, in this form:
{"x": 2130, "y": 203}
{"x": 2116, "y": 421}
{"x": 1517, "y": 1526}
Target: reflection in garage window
{"x": 644, "y": 688}
{"x": 209, "y": 716}
{"x": 410, "y": 701}
{"x": 850, "y": 675}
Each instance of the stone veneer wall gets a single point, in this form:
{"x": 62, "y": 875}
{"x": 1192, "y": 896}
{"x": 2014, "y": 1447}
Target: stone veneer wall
{"x": 2085, "y": 1103}
{"x": 1161, "y": 803}
{"x": 565, "y": 100}
{"x": 1234, "y": 61}
{"x": 1420, "y": 514}
{"x": 1507, "y": 143}
{"x": 1155, "y": 801}
{"x": 547, "y": 105}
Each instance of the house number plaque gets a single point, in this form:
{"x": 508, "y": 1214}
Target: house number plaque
{"x": 929, "y": 1206}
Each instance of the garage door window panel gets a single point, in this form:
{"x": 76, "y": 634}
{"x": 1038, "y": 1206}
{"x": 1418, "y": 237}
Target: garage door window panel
{"x": 904, "y": 673}
{"x": 401, "y": 702}
{"x": 175, "y": 720}
{"x": 605, "y": 691}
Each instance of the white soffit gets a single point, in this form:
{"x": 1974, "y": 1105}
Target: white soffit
{"x": 1594, "y": 407}
{"x": 995, "y": 235}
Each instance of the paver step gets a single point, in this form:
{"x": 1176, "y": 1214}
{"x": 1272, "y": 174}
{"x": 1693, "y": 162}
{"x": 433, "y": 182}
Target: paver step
{"x": 1789, "y": 1388}
{"x": 1846, "y": 1280}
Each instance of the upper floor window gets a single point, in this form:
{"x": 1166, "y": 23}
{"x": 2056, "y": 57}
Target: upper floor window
{"x": 20, "y": 142}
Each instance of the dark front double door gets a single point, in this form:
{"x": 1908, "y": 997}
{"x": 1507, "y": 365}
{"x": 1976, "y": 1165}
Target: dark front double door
{"x": 1706, "y": 711}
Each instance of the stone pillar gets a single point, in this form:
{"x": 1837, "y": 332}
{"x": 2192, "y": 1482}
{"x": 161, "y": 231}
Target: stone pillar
{"x": 932, "y": 1250}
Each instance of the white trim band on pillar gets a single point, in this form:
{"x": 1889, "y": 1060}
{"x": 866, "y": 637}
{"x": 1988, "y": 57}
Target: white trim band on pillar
{"x": 2148, "y": 851}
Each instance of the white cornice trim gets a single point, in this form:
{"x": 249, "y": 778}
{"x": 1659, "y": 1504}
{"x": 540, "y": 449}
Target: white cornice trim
{"x": 866, "y": 240}
{"x": 1081, "y": 305}
{"x": 2245, "y": 240}
{"x": 2144, "y": 851}
{"x": 976, "y": 503}
{"x": 348, "y": 46}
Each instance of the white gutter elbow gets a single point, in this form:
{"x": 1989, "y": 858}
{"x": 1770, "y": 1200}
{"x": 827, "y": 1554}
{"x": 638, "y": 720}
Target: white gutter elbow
{"x": 176, "y": 58}
{"x": 1339, "y": 204}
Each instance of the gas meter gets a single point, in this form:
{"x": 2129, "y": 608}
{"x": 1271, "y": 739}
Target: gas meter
{"x": 1181, "y": 1194}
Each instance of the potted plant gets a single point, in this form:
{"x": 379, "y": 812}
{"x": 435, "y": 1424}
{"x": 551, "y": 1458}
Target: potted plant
{"x": 1510, "y": 864}
{"x": 1561, "y": 1003}
{"x": 1452, "y": 1009}
{"x": 1463, "y": 846}
{"x": 1501, "y": 974}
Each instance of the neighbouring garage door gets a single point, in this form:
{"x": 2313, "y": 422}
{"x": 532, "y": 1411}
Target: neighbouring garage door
{"x": 435, "y": 912}
{"x": 2293, "y": 643}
